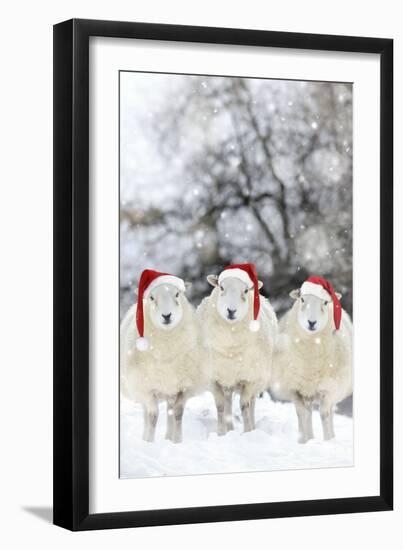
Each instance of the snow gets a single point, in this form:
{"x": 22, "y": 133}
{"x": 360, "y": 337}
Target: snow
{"x": 271, "y": 446}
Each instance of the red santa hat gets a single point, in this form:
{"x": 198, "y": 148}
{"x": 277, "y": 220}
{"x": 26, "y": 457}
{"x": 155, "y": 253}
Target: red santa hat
{"x": 246, "y": 273}
{"x": 149, "y": 280}
{"x": 317, "y": 286}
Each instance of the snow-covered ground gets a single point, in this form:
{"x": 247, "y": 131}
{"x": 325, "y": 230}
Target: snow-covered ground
{"x": 272, "y": 446}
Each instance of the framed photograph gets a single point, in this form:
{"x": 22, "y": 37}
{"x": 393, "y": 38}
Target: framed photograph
{"x": 223, "y": 303}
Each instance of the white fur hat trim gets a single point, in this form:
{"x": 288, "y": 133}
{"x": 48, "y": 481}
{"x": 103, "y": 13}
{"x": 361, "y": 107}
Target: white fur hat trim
{"x": 165, "y": 280}
{"x": 237, "y": 273}
{"x": 315, "y": 290}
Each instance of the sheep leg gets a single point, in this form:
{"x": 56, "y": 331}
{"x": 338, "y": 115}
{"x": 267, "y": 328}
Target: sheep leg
{"x": 252, "y": 412}
{"x": 219, "y": 397}
{"x": 309, "y": 426}
{"x": 170, "y": 419}
{"x": 326, "y": 415}
{"x": 179, "y": 406}
{"x": 228, "y": 409}
{"x": 300, "y": 419}
{"x": 304, "y": 414}
{"x": 246, "y": 403}
{"x": 150, "y": 419}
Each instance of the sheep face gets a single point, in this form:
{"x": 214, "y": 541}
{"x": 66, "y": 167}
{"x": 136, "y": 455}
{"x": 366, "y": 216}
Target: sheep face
{"x": 313, "y": 313}
{"x": 165, "y": 306}
{"x": 232, "y": 298}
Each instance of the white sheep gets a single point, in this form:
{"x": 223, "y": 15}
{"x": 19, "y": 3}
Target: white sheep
{"x": 169, "y": 367}
{"x": 313, "y": 358}
{"x": 237, "y": 351}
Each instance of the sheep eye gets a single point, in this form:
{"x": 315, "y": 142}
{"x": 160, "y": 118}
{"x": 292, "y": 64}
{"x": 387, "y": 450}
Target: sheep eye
{"x": 302, "y": 300}
{"x": 246, "y": 291}
{"x": 152, "y": 298}
{"x": 221, "y": 288}
{"x": 326, "y": 303}
{"x": 177, "y": 295}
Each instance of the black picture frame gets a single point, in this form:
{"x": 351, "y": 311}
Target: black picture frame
{"x": 71, "y": 274}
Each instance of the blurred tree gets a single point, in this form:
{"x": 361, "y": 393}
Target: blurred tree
{"x": 263, "y": 175}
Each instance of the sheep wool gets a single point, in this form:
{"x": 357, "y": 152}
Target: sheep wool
{"x": 235, "y": 354}
{"x": 171, "y": 363}
{"x": 313, "y": 365}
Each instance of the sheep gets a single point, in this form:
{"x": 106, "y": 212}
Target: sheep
{"x": 170, "y": 369}
{"x": 313, "y": 355}
{"x": 238, "y": 354}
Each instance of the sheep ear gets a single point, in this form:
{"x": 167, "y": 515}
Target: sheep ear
{"x": 188, "y": 286}
{"x": 259, "y": 284}
{"x": 213, "y": 280}
{"x": 338, "y": 295}
{"x": 295, "y": 294}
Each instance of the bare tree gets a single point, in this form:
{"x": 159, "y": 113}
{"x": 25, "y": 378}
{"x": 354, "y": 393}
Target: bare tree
{"x": 265, "y": 176}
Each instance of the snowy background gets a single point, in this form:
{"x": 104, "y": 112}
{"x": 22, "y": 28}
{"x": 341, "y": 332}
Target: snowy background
{"x": 218, "y": 170}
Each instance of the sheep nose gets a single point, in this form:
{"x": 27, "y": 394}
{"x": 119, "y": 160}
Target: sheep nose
{"x": 166, "y": 317}
{"x": 231, "y": 313}
{"x": 311, "y": 325}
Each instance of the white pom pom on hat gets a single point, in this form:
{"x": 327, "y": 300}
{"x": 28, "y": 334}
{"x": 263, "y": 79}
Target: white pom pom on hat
{"x": 142, "y": 344}
{"x": 254, "y": 326}
{"x": 150, "y": 279}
